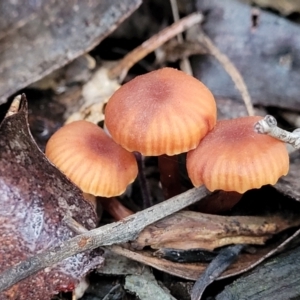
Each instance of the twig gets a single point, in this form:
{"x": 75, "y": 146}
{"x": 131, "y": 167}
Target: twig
{"x": 230, "y": 69}
{"x": 74, "y": 225}
{"x": 185, "y": 64}
{"x": 210, "y": 273}
{"x": 121, "y": 69}
{"x": 114, "y": 233}
{"x": 268, "y": 125}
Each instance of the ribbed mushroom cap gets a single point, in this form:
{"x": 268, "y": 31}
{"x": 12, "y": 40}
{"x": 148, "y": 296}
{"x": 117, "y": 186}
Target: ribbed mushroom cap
{"x": 162, "y": 112}
{"x": 91, "y": 159}
{"x": 232, "y": 157}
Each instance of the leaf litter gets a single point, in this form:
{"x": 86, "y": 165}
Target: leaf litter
{"x": 192, "y": 271}
{"x": 35, "y": 197}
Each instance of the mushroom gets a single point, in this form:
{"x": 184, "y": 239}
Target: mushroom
{"x": 91, "y": 159}
{"x": 233, "y": 157}
{"x": 162, "y": 112}
{"x": 115, "y": 208}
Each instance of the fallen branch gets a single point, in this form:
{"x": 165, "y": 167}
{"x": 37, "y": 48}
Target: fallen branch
{"x": 157, "y": 40}
{"x": 268, "y": 125}
{"x": 114, "y": 233}
{"x": 184, "y": 63}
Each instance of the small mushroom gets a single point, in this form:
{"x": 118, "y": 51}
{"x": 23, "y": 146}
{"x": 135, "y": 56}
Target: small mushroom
{"x": 233, "y": 157}
{"x": 91, "y": 159}
{"x": 162, "y": 112}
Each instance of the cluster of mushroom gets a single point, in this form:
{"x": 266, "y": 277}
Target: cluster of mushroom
{"x": 91, "y": 159}
{"x": 169, "y": 112}
{"x": 166, "y": 112}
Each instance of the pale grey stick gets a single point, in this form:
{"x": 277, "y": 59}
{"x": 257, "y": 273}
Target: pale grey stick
{"x": 231, "y": 70}
{"x": 114, "y": 233}
{"x": 268, "y": 125}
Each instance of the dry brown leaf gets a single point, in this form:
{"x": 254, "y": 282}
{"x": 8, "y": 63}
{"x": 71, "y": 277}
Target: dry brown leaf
{"x": 193, "y": 271}
{"x": 35, "y": 197}
{"x": 188, "y": 230}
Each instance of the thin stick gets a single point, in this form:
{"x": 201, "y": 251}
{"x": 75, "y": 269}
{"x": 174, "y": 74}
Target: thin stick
{"x": 185, "y": 64}
{"x": 268, "y": 125}
{"x": 77, "y": 228}
{"x": 230, "y": 69}
{"x": 74, "y": 225}
{"x": 114, "y": 233}
{"x": 121, "y": 69}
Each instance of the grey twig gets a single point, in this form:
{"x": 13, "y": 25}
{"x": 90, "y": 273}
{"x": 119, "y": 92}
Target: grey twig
{"x": 268, "y": 125}
{"x": 114, "y": 233}
{"x": 231, "y": 70}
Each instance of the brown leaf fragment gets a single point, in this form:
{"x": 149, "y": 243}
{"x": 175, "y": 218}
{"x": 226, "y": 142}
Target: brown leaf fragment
{"x": 193, "y": 271}
{"x": 50, "y": 34}
{"x": 35, "y": 197}
{"x": 188, "y": 230}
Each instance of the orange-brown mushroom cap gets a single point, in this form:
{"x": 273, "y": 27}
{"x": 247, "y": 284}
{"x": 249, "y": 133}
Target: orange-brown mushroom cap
{"x": 232, "y": 157}
{"x": 162, "y": 112}
{"x": 91, "y": 159}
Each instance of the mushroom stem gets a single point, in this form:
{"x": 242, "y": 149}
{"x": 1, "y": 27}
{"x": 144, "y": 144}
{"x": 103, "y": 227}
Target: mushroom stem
{"x": 147, "y": 201}
{"x": 219, "y": 202}
{"x": 169, "y": 175}
{"x": 91, "y": 199}
{"x": 115, "y": 208}
{"x": 268, "y": 125}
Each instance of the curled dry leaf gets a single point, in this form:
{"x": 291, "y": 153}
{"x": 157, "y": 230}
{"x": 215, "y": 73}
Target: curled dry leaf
{"x": 187, "y": 230}
{"x": 35, "y": 197}
{"x": 193, "y": 271}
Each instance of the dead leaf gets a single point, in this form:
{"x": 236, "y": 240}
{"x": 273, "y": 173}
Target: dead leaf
{"x": 35, "y": 197}
{"x": 46, "y": 35}
{"x": 188, "y": 230}
{"x": 193, "y": 271}
{"x": 267, "y": 57}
